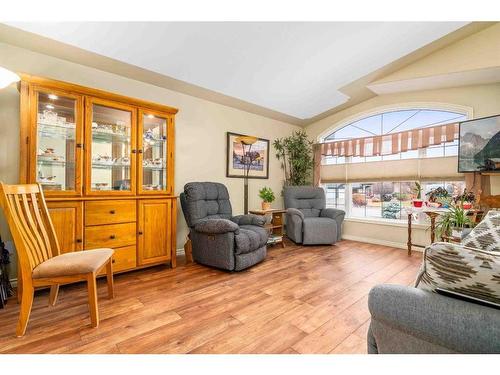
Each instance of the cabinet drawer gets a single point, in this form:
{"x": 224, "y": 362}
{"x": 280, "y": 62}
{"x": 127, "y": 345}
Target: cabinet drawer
{"x": 124, "y": 259}
{"x": 110, "y": 212}
{"x": 277, "y": 219}
{"x": 115, "y": 235}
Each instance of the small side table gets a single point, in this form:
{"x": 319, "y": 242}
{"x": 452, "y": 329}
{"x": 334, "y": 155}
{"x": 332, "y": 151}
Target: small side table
{"x": 433, "y": 214}
{"x": 276, "y": 231}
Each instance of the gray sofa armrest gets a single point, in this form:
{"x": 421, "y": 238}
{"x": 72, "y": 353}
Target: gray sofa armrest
{"x": 410, "y": 320}
{"x": 337, "y": 215}
{"x": 295, "y": 211}
{"x": 249, "y": 220}
{"x": 216, "y": 226}
{"x": 332, "y": 213}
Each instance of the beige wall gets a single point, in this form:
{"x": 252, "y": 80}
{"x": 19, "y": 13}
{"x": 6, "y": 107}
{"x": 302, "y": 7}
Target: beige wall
{"x": 201, "y": 127}
{"x": 478, "y": 51}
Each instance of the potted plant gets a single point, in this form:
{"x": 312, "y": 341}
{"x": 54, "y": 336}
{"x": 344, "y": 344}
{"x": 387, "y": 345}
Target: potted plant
{"x": 418, "y": 202}
{"x": 453, "y": 221}
{"x": 267, "y": 196}
{"x": 466, "y": 199}
{"x": 296, "y": 156}
{"x": 440, "y": 196}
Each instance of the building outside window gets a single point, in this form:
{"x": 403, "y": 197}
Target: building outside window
{"x": 381, "y": 200}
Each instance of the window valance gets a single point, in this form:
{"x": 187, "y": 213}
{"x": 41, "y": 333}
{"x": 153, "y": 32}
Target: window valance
{"x": 390, "y": 143}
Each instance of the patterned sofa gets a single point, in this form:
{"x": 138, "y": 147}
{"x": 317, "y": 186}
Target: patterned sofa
{"x": 419, "y": 320}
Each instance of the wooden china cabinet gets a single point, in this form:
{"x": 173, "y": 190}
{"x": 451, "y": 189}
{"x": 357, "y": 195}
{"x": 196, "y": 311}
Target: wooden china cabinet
{"x": 106, "y": 165}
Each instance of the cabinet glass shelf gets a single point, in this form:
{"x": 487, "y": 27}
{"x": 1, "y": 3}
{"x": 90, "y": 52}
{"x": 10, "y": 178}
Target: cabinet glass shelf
{"x": 110, "y": 166}
{"x": 56, "y": 163}
{"x": 56, "y": 140}
{"x": 102, "y": 137}
{"x": 154, "y": 152}
{"x": 111, "y": 148}
{"x": 154, "y": 169}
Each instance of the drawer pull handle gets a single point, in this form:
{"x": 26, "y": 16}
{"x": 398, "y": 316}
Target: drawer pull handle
{"x": 78, "y": 240}
{"x": 113, "y": 261}
{"x": 140, "y": 233}
{"x": 112, "y": 212}
{"x": 112, "y": 236}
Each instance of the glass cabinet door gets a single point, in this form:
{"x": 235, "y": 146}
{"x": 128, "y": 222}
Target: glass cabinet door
{"x": 111, "y": 155}
{"x": 58, "y": 142}
{"x": 153, "y": 152}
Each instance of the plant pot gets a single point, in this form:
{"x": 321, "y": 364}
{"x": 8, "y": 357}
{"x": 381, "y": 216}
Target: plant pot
{"x": 417, "y": 203}
{"x": 457, "y": 232}
{"x": 266, "y": 206}
{"x": 467, "y": 205}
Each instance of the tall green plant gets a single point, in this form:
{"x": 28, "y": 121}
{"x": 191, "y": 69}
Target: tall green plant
{"x": 455, "y": 217}
{"x": 296, "y": 155}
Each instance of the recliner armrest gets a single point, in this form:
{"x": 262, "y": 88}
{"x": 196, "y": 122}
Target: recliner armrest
{"x": 249, "y": 220}
{"x": 332, "y": 213}
{"x": 216, "y": 226}
{"x": 295, "y": 211}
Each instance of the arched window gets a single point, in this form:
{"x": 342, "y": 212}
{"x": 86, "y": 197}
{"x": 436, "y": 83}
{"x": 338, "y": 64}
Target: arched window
{"x": 378, "y": 198}
{"x": 393, "y": 121}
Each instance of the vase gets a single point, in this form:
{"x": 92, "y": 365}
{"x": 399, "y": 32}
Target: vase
{"x": 457, "y": 232}
{"x": 266, "y": 206}
{"x": 467, "y": 205}
{"x": 417, "y": 203}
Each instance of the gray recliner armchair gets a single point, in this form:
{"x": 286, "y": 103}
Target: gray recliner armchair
{"x": 218, "y": 238}
{"x": 308, "y": 221}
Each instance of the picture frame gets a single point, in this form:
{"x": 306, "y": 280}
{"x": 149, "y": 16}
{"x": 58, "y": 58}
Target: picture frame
{"x": 234, "y": 167}
{"x": 478, "y": 145}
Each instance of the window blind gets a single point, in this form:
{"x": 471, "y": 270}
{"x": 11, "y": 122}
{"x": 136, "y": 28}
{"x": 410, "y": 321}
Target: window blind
{"x": 429, "y": 169}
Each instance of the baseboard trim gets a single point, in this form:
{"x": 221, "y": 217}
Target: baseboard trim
{"x": 376, "y": 241}
{"x": 180, "y": 251}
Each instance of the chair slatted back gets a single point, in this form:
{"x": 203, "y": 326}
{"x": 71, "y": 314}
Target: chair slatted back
{"x": 30, "y": 224}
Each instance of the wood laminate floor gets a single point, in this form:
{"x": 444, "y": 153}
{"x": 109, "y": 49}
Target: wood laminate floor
{"x": 299, "y": 300}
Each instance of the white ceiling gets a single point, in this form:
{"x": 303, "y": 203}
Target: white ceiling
{"x": 291, "y": 67}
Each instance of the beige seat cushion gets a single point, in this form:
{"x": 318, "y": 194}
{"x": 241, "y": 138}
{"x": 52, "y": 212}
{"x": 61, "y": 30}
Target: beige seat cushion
{"x": 78, "y": 262}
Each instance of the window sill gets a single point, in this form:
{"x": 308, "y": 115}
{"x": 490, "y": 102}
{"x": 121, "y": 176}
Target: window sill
{"x": 387, "y": 222}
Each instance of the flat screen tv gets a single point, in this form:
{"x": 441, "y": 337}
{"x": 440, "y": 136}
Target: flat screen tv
{"x": 479, "y": 145}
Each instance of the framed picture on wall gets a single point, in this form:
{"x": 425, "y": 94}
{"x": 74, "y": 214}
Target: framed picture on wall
{"x": 258, "y": 156}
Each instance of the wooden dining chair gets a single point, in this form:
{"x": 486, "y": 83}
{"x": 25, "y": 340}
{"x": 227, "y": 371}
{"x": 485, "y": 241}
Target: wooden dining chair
{"x": 39, "y": 258}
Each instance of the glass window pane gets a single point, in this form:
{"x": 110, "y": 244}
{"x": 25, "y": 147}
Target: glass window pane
{"x": 357, "y": 159}
{"x": 56, "y": 142}
{"x": 358, "y": 200}
{"x": 391, "y": 157}
{"x": 373, "y": 158}
{"x": 451, "y": 151}
{"x": 434, "y": 152}
{"x": 412, "y": 154}
{"x": 373, "y": 194}
{"x": 111, "y": 149}
{"x": 154, "y": 157}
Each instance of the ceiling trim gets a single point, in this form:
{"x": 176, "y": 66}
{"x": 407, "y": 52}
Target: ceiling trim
{"x": 438, "y": 81}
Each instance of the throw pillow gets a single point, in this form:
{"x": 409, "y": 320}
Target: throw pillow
{"x": 486, "y": 235}
{"x": 464, "y": 270}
